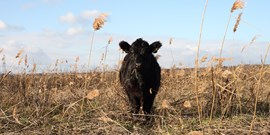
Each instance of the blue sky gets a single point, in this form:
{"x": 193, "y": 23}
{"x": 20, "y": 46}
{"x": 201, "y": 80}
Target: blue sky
{"x": 48, "y": 30}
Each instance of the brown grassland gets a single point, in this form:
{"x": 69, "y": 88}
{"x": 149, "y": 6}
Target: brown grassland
{"x": 94, "y": 103}
{"x": 211, "y": 100}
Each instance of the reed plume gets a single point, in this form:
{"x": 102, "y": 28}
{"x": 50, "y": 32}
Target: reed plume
{"x": 170, "y": 41}
{"x": 20, "y": 61}
{"x": 165, "y": 104}
{"x": 25, "y": 60}
{"x": 77, "y": 59}
{"x": 99, "y": 21}
{"x": 97, "y": 24}
{"x": 251, "y": 42}
{"x": 92, "y": 94}
{"x": 19, "y": 53}
{"x": 203, "y": 59}
{"x": 237, "y": 22}
{"x": 238, "y": 4}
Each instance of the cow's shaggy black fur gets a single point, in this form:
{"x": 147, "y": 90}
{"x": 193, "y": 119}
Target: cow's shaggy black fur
{"x": 140, "y": 74}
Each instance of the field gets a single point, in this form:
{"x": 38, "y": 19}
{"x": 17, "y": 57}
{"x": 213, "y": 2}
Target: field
{"x": 94, "y": 103}
{"x": 208, "y": 99}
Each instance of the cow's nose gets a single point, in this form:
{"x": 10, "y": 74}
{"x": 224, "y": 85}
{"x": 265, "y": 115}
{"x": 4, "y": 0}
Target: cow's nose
{"x": 138, "y": 65}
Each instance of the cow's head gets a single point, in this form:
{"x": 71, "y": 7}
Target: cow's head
{"x": 140, "y": 52}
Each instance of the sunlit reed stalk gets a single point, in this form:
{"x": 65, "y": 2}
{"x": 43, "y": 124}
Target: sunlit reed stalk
{"x": 34, "y": 68}
{"x": 90, "y": 53}
{"x": 119, "y": 59}
{"x": 224, "y": 37}
{"x": 258, "y": 89}
{"x": 97, "y": 24}
{"x": 170, "y": 43}
{"x": 238, "y": 4}
{"x": 76, "y": 63}
{"x": 214, "y": 94}
{"x": 197, "y": 65}
{"x": 106, "y": 49}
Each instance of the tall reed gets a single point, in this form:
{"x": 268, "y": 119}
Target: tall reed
{"x": 106, "y": 50}
{"x": 97, "y": 24}
{"x": 170, "y": 43}
{"x": 199, "y": 108}
{"x": 238, "y": 4}
{"x": 258, "y": 89}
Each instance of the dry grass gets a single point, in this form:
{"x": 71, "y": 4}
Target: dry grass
{"x": 226, "y": 100}
{"x": 89, "y": 103}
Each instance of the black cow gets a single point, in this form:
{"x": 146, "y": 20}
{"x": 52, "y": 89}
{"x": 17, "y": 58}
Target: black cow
{"x": 140, "y": 74}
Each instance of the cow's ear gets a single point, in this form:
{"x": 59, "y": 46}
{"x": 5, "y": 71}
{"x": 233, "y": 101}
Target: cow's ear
{"x": 124, "y": 46}
{"x": 155, "y": 46}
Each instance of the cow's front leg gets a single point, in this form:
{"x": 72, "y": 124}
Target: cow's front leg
{"x": 148, "y": 100}
{"x": 134, "y": 103}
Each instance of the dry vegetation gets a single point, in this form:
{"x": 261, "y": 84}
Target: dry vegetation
{"x": 94, "y": 103}
{"x": 212, "y": 100}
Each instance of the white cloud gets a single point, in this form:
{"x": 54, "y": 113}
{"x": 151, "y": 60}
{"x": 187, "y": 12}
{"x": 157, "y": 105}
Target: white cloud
{"x": 34, "y": 54}
{"x": 81, "y": 19}
{"x": 184, "y": 52}
{"x": 89, "y": 14}
{"x": 74, "y": 31}
{"x": 45, "y": 47}
{"x": 3, "y": 25}
{"x": 6, "y": 27}
{"x": 68, "y": 18}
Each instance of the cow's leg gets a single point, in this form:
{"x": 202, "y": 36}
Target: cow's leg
{"x": 148, "y": 101}
{"x": 134, "y": 103}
